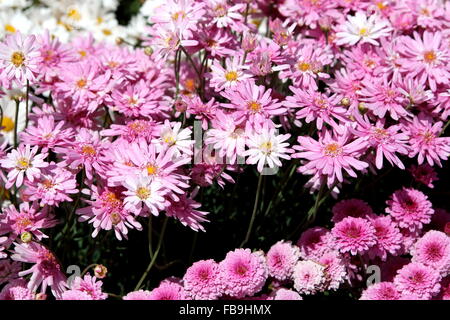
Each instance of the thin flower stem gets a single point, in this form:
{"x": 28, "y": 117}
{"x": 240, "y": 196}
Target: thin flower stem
{"x": 27, "y": 104}
{"x": 153, "y": 260}
{"x": 150, "y": 236}
{"x": 188, "y": 56}
{"x": 255, "y": 208}
{"x": 87, "y": 269}
{"x": 15, "y": 122}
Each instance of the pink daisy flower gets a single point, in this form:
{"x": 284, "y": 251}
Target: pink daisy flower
{"x": 330, "y": 155}
{"x": 16, "y": 290}
{"x": 281, "y": 260}
{"x": 243, "y": 273}
{"x": 141, "y": 190}
{"x": 201, "y": 280}
{"x": 228, "y": 76}
{"x": 424, "y": 173}
{"x": 46, "y": 270}
{"x": 381, "y": 291}
{"x": 23, "y": 161}
{"x": 356, "y": 208}
{"x": 138, "y": 295}
{"x": 354, "y": 235}
{"x": 133, "y": 130}
{"x": 286, "y": 294}
{"x": 433, "y": 250}
{"x": 168, "y": 290}
{"x": 75, "y": 295}
{"x": 410, "y": 208}
{"x": 309, "y": 277}
{"x": 19, "y": 58}
{"x": 419, "y": 280}
{"x": 89, "y": 285}
{"x": 185, "y": 210}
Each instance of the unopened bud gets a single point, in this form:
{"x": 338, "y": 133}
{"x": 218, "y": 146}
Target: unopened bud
{"x": 345, "y": 102}
{"x": 100, "y": 271}
{"x": 362, "y": 108}
{"x": 148, "y": 51}
{"x": 26, "y": 237}
{"x": 119, "y": 40}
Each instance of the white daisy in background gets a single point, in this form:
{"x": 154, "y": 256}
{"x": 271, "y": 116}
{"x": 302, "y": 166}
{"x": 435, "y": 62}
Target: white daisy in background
{"x": 265, "y": 147}
{"x": 8, "y": 105}
{"x": 18, "y": 4}
{"x": 149, "y": 8}
{"x": 172, "y": 136}
{"x": 12, "y": 21}
{"x": 141, "y": 191}
{"x": 136, "y": 28}
{"x": 108, "y": 30}
{"x": 360, "y": 28}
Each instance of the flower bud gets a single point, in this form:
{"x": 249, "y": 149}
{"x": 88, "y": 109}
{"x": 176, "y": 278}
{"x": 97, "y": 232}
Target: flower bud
{"x": 26, "y": 237}
{"x": 100, "y": 271}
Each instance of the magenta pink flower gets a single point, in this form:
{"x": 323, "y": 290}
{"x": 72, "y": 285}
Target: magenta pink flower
{"x": 424, "y": 173}
{"x": 309, "y": 277}
{"x": 388, "y": 237}
{"x": 433, "y": 250}
{"x": 168, "y": 290}
{"x": 228, "y": 76}
{"x": 354, "y": 235}
{"x": 46, "y": 270}
{"x": 75, "y": 295}
{"x": 286, "y": 294}
{"x": 138, "y": 295}
{"x": 16, "y": 290}
{"x": 329, "y": 156}
{"x": 185, "y": 209}
{"x": 89, "y": 285}
{"x": 9, "y": 270}
{"x": 350, "y": 208}
{"x": 419, "y": 280}
{"x": 133, "y": 130}
{"x": 381, "y": 291}
{"x": 410, "y": 209}
{"x": 335, "y": 269}
{"x": 243, "y": 273}
{"x": 314, "y": 243}
{"x": 281, "y": 260}
{"x": 201, "y": 280}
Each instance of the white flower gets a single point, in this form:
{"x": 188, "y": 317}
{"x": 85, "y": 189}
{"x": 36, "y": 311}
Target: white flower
{"x": 8, "y": 106}
{"x": 176, "y": 138}
{"x": 358, "y": 27}
{"x": 144, "y": 190}
{"x": 266, "y": 148}
{"x": 12, "y": 21}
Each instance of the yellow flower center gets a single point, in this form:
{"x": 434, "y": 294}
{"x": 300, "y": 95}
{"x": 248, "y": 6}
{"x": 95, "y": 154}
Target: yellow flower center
{"x": 254, "y": 106}
{"x": 24, "y": 222}
{"x": 17, "y": 59}
{"x": 266, "y": 147}
{"x": 9, "y": 28}
{"x": 82, "y": 53}
{"x": 333, "y": 149}
{"x": 88, "y": 150}
{"x": 48, "y": 184}
{"x": 231, "y": 76}
{"x": 151, "y": 169}
{"x": 81, "y": 83}
{"x": 23, "y": 163}
{"x": 303, "y": 66}
{"x": 169, "y": 139}
{"x": 132, "y": 101}
{"x": 107, "y": 32}
{"x": 178, "y": 14}
{"x": 7, "y": 124}
{"x": 363, "y": 32}
{"x": 74, "y": 14}
{"x": 143, "y": 193}
{"x": 429, "y": 56}
{"x": 115, "y": 218}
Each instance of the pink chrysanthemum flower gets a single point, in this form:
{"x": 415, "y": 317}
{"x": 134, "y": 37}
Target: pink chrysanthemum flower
{"x": 354, "y": 235}
{"x": 308, "y": 13}
{"x": 356, "y": 208}
{"x": 424, "y": 173}
{"x": 266, "y": 147}
{"x": 316, "y": 107}
{"x": 90, "y": 285}
{"x": 27, "y": 219}
{"x": 252, "y": 102}
{"x": 230, "y": 76}
{"x": 172, "y": 136}
{"x": 359, "y": 28}
{"x": 16, "y": 290}
{"x": 381, "y": 291}
{"x": 201, "y": 280}
{"x": 329, "y": 156}
{"x": 46, "y": 270}
{"x": 75, "y": 295}
{"x": 185, "y": 210}
{"x": 138, "y": 295}
{"x": 433, "y": 250}
{"x": 168, "y": 290}
{"x": 286, "y": 294}
{"x": 281, "y": 260}
{"x": 19, "y": 58}
{"x": 426, "y": 57}
{"x": 410, "y": 208}
{"x": 389, "y": 238}
{"x": 9, "y": 270}
{"x": 309, "y": 277}
{"x": 426, "y": 142}
{"x": 23, "y": 161}
{"x": 224, "y": 15}
{"x": 335, "y": 269}
{"x": 133, "y": 130}
{"x": 314, "y": 243}
{"x": 4, "y": 242}
{"x": 243, "y": 273}
{"x": 419, "y": 280}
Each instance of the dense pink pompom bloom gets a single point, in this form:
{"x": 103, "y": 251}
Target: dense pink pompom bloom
{"x": 433, "y": 250}
{"x": 89, "y": 285}
{"x": 16, "y": 290}
{"x": 314, "y": 242}
{"x": 286, "y": 294}
{"x": 243, "y": 273}
{"x": 309, "y": 277}
{"x": 201, "y": 280}
{"x": 335, "y": 269}
{"x": 381, "y": 291}
{"x": 75, "y": 295}
{"x": 281, "y": 260}
{"x": 168, "y": 290}
{"x": 138, "y": 295}
{"x": 418, "y": 279}
{"x": 410, "y": 208}
{"x": 388, "y": 237}
{"x": 350, "y": 208}
{"x": 424, "y": 173}
{"x": 354, "y": 235}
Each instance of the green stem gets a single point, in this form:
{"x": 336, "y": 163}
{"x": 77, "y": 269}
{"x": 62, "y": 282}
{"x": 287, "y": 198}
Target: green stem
{"x": 153, "y": 260}
{"x": 26, "y": 104}
{"x": 188, "y": 56}
{"x": 255, "y": 208}
{"x": 15, "y": 123}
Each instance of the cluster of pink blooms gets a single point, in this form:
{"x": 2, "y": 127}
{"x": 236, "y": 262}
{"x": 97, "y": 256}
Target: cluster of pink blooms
{"x": 344, "y": 88}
